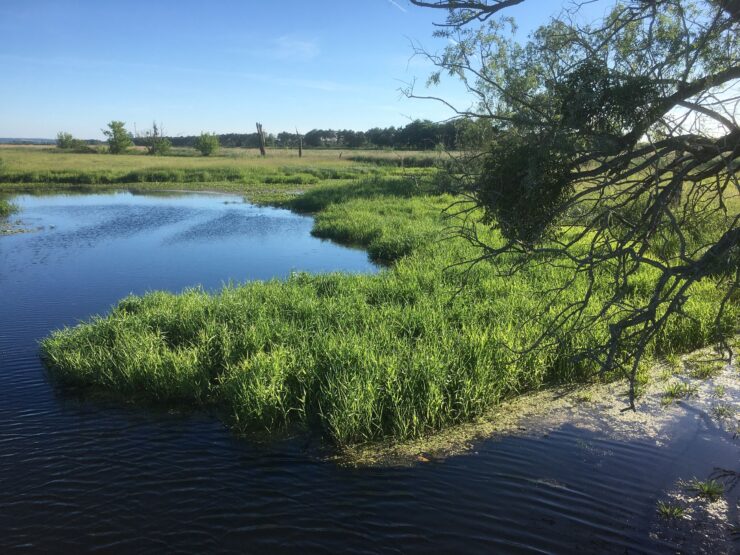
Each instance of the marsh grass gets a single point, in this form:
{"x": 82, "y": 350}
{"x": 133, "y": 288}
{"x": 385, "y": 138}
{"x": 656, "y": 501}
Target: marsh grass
{"x": 711, "y": 490}
{"x": 670, "y": 511}
{"x": 704, "y": 369}
{"x": 356, "y": 358}
{"x": 679, "y": 390}
{"x": 396, "y": 355}
{"x": 6, "y": 208}
{"x": 723, "y": 411}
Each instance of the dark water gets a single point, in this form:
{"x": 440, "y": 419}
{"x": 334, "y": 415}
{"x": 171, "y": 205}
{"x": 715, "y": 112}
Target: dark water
{"x": 85, "y": 475}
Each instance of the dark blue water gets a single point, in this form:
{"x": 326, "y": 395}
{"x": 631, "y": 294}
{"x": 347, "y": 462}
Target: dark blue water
{"x": 79, "y": 474}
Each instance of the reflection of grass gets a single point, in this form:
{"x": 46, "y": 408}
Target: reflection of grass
{"x": 670, "y": 511}
{"x": 678, "y": 390}
{"x": 711, "y": 490}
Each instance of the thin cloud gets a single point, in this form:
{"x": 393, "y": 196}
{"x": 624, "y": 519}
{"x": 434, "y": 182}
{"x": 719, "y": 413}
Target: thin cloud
{"x": 110, "y": 65}
{"x": 291, "y": 48}
{"x": 399, "y": 6}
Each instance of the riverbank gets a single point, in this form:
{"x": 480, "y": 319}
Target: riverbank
{"x": 422, "y": 346}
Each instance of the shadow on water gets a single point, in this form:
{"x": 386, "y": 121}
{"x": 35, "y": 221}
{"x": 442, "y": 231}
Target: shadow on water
{"x": 78, "y": 472}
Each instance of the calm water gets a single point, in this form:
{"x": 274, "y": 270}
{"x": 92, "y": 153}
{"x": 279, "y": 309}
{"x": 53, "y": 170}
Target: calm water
{"x": 78, "y": 474}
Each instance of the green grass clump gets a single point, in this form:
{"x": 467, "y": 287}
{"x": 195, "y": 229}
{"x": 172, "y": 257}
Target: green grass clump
{"x": 669, "y": 511}
{"x": 711, "y": 490}
{"x": 678, "y": 390}
{"x": 705, "y": 369}
{"x": 6, "y": 208}
{"x": 723, "y": 411}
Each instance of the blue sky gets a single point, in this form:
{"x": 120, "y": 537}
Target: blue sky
{"x": 217, "y": 66}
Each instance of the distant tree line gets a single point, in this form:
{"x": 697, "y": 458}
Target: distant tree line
{"x": 417, "y": 135}
{"x": 456, "y": 134}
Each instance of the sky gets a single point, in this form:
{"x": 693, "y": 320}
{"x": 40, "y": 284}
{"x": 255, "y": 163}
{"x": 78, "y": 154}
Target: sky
{"x": 218, "y": 66}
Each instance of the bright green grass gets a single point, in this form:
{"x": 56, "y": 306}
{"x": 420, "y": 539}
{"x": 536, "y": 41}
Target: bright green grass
{"x": 44, "y": 158}
{"x": 6, "y": 208}
{"x": 357, "y": 358}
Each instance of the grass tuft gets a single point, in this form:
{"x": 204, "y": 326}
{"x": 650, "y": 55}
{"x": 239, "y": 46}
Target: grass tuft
{"x": 669, "y": 511}
{"x": 711, "y": 490}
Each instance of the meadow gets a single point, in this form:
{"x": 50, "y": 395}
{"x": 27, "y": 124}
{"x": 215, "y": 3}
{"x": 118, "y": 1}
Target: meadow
{"x": 420, "y": 346}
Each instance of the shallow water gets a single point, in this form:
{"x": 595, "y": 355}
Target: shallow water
{"x": 97, "y": 475}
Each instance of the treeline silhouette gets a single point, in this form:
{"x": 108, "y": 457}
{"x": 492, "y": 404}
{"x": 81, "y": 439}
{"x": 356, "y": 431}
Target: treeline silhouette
{"x": 417, "y": 135}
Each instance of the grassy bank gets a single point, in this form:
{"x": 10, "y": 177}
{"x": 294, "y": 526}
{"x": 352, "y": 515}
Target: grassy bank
{"x": 356, "y": 358}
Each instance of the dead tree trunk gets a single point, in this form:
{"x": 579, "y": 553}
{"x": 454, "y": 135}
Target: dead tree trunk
{"x": 261, "y": 137}
{"x": 300, "y": 143}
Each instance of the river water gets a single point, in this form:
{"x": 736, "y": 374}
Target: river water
{"x": 80, "y": 474}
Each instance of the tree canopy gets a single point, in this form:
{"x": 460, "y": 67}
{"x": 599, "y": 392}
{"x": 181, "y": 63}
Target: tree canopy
{"x": 207, "y": 144}
{"x": 616, "y": 149}
{"x": 119, "y": 139}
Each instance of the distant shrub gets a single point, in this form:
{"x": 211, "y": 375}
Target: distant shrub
{"x": 66, "y": 141}
{"x": 155, "y": 142}
{"x": 207, "y": 144}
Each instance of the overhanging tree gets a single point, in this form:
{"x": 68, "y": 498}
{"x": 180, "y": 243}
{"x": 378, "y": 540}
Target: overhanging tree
{"x": 616, "y": 151}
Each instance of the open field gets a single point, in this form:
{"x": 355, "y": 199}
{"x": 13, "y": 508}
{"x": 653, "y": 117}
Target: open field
{"x": 49, "y": 158}
{"x": 356, "y": 358}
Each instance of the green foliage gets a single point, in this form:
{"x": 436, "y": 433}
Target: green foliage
{"x": 711, "y": 490}
{"x": 156, "y": 144}
{"x": 669, "y": 511}
{"x": 207, "y": 144}
{"x": 119, "y": 140}
{"x": 523, "y": 183}
{"x": 677, "y": 391}
{"x": 6, "y": 208}
{"x": 723, "y": 411}
{"x": 66, "y": 141}
{"x": 356, "y": 358}
{"x": 603, "y": 159}
{"x": 594, "y": 100}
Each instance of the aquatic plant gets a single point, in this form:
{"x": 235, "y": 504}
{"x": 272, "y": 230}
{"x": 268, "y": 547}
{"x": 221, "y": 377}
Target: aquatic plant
{"x": 6, "y": 208}
{"x": 669, "y": 511}
{"x": 723, "y": 411}
{"x": 711, "y": 490}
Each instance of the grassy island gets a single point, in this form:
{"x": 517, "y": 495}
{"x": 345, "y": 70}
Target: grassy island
{"x": 420, "y": 346}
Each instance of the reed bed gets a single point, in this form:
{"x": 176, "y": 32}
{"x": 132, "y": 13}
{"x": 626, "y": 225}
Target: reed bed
{"x": 356, "y": 358}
